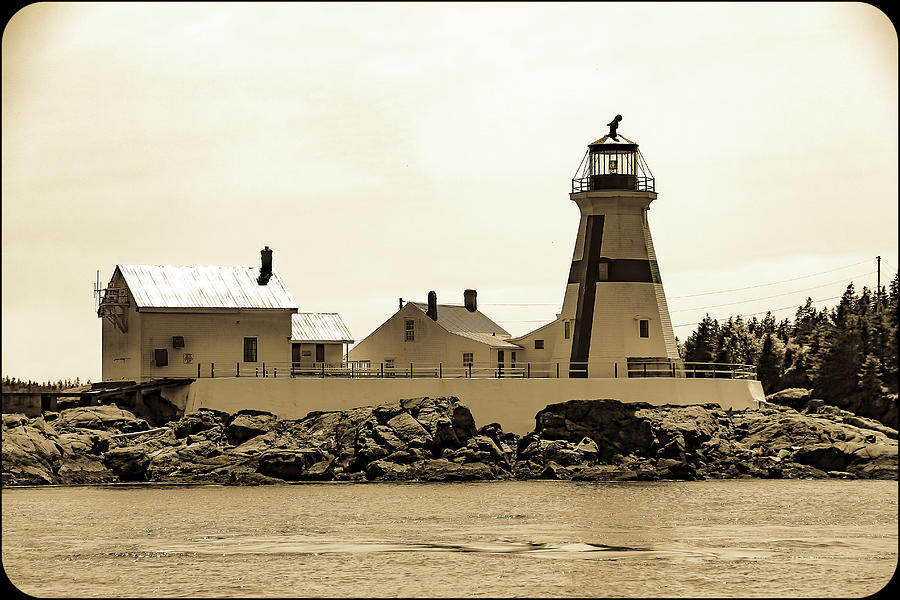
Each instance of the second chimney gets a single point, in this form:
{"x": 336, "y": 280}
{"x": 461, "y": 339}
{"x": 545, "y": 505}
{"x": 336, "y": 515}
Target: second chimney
{"x": 265, "y": 270}
{"x": 432, "y": 306}
{"x": 470, "y": 298}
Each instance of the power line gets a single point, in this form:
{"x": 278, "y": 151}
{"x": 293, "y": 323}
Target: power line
{"x": 521, "y": 304}
{"x": 762, "y": 312}
{"x": 888, "y": 264}
{"x": 773, "y": 283}
{"x": 768, "y": 297}
{"x": 528, "y": 321}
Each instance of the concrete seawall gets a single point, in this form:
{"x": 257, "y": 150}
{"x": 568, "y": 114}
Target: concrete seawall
{"x": 511, "y": 402}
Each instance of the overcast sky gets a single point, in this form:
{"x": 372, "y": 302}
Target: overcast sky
{"x": 387, "y": 150}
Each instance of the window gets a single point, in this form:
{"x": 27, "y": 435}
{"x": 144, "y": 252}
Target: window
{"x": 410, "y": 330}
{"x": 567, "y": 326}
{"x": 468, "y": 359}
{"x": 160, "y": 357}
{"x": 250, "y": 346}
{"x": 603, "y": 274}
{"x": 644, "y": 326}
{"x": 538, "y": 344}
{"x": 512, "y": 359}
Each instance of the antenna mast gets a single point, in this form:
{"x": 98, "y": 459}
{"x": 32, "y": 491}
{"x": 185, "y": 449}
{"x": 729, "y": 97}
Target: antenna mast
{"x": 97, "y": 291}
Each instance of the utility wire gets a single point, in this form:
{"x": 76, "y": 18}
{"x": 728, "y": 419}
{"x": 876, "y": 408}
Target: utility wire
{"x": 522, "y": 304}
{"x": 762, "y": 312}
{"x": 768, "y": 297}
{"x": 888, "y": 264}
{"x": 773, "y": 283}
{"x": 529, "y": 321}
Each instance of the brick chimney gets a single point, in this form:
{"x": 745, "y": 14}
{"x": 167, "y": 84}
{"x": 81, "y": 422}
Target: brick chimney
{"x": 470, "y": 299}
{"x": 432, "y": 306}
{"x": 265, "y": 270}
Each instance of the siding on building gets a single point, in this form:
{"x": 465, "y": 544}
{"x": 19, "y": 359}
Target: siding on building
{"x": 214, "y": 338}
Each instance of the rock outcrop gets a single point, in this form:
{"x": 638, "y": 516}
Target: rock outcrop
{"x": 704, "y": 441}
{"x": 436, "y": 439}
{"x": 883, "y": 409}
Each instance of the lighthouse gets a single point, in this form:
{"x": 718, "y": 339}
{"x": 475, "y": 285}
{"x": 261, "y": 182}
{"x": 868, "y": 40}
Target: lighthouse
{"x": 614, "y": 301}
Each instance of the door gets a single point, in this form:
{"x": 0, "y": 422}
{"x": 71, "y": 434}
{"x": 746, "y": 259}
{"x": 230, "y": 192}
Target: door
{"x": 295, "y": 355}
{"x": 500, "y": 359}
{"x": 320, "y": 353}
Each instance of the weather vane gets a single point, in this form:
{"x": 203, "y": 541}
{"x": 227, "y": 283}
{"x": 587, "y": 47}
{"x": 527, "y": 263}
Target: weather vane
{"x": 612, "y": 127}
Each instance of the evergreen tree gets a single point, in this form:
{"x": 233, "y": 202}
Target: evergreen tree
{"x": 736, "y": 344}
{"x": 869, "y": 379}
{"x": 837, "y": 362}
{"x": 805, "y": 322}
{"x": 700, "y": 346}
{"x": 770, "y": 364}
{"x": 796, "y": 368}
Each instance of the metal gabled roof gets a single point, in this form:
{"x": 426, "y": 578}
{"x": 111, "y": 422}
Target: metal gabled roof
{"x": 472, "y": 325}
{"x": 319, "y": 327}
{"x": 166, "y": 286}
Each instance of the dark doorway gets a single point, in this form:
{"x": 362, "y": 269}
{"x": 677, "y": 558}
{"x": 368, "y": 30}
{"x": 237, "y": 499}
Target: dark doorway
{"x": 320, "y": 353}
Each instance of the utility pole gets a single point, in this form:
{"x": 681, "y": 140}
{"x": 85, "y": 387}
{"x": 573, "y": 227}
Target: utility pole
{"x": 878, "y": 286}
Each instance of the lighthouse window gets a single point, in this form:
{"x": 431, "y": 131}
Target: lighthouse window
{"x": 644, "y": 326}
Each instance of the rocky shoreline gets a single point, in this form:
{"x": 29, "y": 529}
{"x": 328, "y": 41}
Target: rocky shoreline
{"x": 436, "y": 439}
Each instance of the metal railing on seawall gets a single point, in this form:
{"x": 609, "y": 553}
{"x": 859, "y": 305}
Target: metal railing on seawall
{"x": 529, "y": 370}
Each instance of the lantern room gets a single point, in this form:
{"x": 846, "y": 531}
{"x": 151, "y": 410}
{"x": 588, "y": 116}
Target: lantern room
{"x": 613, "y": 163}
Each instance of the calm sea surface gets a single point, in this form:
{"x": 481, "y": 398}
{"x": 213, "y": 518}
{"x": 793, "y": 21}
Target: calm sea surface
{"x": 748, "y": 538}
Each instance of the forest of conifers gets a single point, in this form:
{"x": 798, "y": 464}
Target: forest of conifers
{"x": 847, "y": 351}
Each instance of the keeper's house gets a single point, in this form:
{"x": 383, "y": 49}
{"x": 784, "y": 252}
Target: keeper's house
{"x": 451, "y": 338}
{"x": 164, "y": 321}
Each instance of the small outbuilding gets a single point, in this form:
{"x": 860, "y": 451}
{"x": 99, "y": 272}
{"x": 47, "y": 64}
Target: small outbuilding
{"x": 318, "y": 340}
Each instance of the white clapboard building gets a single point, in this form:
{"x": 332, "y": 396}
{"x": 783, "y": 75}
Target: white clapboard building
{"x": 450, "y": 338}
{"x": 163, "y": 321}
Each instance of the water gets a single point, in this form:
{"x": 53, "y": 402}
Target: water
{"x": 738, "y": 538}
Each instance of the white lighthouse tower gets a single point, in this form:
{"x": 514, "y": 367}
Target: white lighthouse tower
{"x": 619, "y": 321}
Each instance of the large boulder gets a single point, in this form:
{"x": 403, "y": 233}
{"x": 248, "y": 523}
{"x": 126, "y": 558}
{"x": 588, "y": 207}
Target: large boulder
{"x": 107, "y": 417}
{"x": 246, "y": 424}
{"x": 84, "y": 469}
{"x": 611, "y": 424}
{"x": 408, "y": 429}
{"x": 31, "y": 454}
{"x": 197, "y": 421}
{"x": 204, "y": 461}
{"x": 294, "y": 465}
{"x": 795, "y": 398}
{"x": 129, "y": 463}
